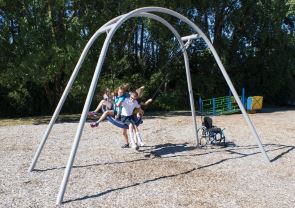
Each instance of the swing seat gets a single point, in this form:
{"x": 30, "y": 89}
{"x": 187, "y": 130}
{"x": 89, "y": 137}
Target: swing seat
{"x": 119, "y": 123}
{"x": 210, "y": 134}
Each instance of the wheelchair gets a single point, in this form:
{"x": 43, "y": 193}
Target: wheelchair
{"x": 209, "y": 134}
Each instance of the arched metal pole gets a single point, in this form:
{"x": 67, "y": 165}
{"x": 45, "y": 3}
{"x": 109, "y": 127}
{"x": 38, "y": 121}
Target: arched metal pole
{"x": 222, "y": 69}
{"x": 103, "y": 29}
{"x": 91, "y": 92}
{"x": 86, "y": 107}
{"x": 83, "y": 119}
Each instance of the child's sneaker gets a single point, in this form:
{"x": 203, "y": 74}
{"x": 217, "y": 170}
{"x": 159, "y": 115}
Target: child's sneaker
{"x": 92, "y": 113}
{"x": 141, "y": 144}
{"x": 133, "y": 146}
{"x": 125, "y": 146}
{"x": 94, "y": 124}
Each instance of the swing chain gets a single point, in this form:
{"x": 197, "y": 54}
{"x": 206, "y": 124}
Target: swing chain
{"x": 182, "y": 49}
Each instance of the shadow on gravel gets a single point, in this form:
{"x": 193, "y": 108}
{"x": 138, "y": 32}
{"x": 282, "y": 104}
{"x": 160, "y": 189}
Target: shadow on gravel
{"x": 157, "y": 152}
{"x": 166, "y": 149}
{"x": 130, "y": 186}
{"x": 271, "y": 147}
{"x": 173, "y": 148}
{"x": 169, "y": 150}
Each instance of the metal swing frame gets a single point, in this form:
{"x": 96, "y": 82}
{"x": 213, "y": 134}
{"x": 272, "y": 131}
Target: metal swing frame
{"x": 110, "y": 28}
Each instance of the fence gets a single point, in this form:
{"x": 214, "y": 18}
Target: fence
{"x": 220, "y": 105}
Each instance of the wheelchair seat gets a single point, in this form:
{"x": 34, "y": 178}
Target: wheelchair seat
{"x": 210, "y": 134}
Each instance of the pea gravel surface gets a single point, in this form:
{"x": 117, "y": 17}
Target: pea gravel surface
{"x": 167, "y": 172}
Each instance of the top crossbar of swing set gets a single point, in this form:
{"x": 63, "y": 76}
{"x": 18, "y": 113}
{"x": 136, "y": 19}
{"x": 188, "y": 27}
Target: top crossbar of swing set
{"x": 184, "y": 38}
{"x": 190, "y": 37}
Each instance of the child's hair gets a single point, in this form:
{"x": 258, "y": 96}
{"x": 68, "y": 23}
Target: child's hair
{"x": 134, "y": 94}
{"x": 107, "y": 91}
{"x": 115, "y": 92}
{"x": 126, "y": 87}
{"x": 121, "y": 88}
{"x": 117, "y": 89}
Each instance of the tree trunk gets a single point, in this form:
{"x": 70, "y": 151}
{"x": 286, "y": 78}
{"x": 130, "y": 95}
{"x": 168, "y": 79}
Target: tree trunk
{"x": 237, "y": 33}
{"x": 12, "y": 31}
{"x": 135, "y": 42}
{"x": 141, "y": 39}
{"x": 219, "y": 17}
{"x": 49, "y": 11}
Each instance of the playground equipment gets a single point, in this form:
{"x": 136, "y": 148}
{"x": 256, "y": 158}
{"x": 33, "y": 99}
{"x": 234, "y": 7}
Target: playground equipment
{"x": 254, "y": 103}
{"x": 220, "y": 105}
{"x": 228, "y": 104}
{"x": 110, "y": 28}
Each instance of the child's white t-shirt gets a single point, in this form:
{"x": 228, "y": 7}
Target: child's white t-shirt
{"x": 128, "y": 106}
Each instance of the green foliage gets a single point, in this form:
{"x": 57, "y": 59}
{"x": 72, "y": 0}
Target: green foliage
{"x": 41, "y": 42}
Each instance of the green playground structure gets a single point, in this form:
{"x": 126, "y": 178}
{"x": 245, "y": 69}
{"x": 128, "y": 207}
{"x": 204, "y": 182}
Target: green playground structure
{"x": 220, "y": 105}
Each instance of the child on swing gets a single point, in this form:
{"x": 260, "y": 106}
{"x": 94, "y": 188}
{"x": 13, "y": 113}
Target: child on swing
{"x": 118, "y": 99}
{"x": 127, "y": 117}
{"x": 107, "y": 101}
{"x": 139, "y": 91}
{"x": 137, "y": 112}
{"x": 122, "y": 93}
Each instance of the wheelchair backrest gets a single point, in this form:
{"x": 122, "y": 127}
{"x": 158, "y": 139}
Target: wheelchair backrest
{"x": 208, "y": 123}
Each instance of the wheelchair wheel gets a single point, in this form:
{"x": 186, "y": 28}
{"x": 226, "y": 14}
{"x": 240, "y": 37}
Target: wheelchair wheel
{"x": 220, "y": 138}
{"x": 203, "y": 136}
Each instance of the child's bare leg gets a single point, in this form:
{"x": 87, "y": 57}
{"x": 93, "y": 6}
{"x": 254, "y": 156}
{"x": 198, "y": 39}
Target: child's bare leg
{"x": 105, "y": 103}
{"x": 104, "y": 115}
{"x": 132, "y": 143}
{"x": 139, "y": 137}
{"x": 124, "y": 132}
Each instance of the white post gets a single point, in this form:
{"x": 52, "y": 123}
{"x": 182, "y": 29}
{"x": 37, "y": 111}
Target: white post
{"x": 86, "y": 107}
{"x": 82, "y": 120}
{"x": 191, "y": 97}
{"x": 104, "y": 28}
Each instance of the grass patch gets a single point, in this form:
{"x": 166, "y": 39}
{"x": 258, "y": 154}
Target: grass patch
{"x": 38, "y": 120}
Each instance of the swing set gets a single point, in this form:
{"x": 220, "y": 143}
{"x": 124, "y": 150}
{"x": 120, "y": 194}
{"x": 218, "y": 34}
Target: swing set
{"x": 139, "y": 121}
{"x": 110, "y": 28}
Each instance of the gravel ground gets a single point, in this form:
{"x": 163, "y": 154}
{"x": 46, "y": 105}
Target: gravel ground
{"x": 167, "y": 172}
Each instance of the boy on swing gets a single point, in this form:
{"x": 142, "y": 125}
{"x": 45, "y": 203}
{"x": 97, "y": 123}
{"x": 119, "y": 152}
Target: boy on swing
{"x": 127, "y": 117}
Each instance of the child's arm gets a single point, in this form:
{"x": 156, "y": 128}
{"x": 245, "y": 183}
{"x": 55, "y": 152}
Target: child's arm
{"x": 119, "y": 105}
{"x": 139, "y": 113}
{"x": 120, "y": 101}
{"x": 117, "y": 116}
{"x": 146, "y": 103}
